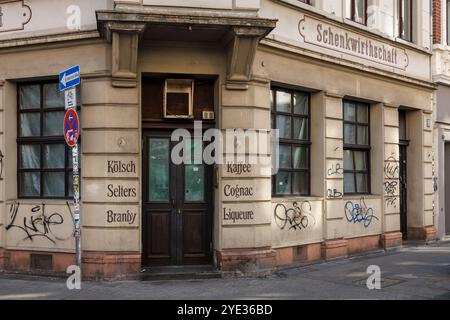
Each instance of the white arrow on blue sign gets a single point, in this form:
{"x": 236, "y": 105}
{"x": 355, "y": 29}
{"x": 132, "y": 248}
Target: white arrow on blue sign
{"x": 69, "y": 78}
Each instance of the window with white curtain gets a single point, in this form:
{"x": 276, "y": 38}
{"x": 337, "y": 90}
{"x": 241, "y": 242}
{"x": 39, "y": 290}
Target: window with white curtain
{"x": 356, "y": 10}
{"x": 291, "y": 116}
{"x": 405, "y": 18}
{"x": 44, "y": 159}
{"x": 356, "y": 147}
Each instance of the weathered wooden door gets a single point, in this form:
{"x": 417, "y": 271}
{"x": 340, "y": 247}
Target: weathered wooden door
{"x": 177, "y": 206}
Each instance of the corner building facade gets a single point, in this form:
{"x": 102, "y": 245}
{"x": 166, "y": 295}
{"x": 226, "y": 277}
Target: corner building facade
{"x": 441, "y": 76}
{"x": 349, "y": 90}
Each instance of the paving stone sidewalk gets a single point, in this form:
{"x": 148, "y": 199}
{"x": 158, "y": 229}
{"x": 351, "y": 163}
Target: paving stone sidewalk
{"x": 413, "y": 272}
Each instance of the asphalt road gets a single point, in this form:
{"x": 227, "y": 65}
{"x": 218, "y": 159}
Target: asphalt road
{"x": 413, "y": 272}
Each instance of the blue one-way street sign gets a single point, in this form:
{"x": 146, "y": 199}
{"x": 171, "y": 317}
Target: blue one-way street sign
{"x": 69, "y": 78}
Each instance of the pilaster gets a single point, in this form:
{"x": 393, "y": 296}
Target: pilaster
{"x": 110, "y": 178}
{"x": 246, "y": 243}
{"x": 2, "y": 184}
{"x": 391, "y": 236}
{"x": 334, "y": 167}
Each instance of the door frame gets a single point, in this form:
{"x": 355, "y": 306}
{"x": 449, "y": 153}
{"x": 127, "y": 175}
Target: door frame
{"x": 403, "y": 193}
{"x": 164, "y": 130}
{"x": 446, "y": 185}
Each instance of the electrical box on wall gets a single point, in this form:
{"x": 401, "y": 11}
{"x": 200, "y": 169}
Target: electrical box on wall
{"x": 207, "y": 115}
{"x": 179, "y": 98}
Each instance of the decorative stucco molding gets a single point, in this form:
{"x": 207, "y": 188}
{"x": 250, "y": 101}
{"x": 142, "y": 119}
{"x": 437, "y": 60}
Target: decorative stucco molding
{"x": 14, "y": 15}
{"x": 241, "y": 54}
{"x": 123, "y": 28}
{"x": 125, "y": 41}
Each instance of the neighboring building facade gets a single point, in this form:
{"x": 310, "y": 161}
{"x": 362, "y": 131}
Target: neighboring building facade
{"x": 347, "y": 84}
{"x": 441, "y": 75}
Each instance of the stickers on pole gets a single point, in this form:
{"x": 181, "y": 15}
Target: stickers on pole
{"x": 70, "y": 97}
{"x": 71, "y": 127}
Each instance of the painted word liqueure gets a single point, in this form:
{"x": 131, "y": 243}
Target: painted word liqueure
{"x": 234, "y": 215}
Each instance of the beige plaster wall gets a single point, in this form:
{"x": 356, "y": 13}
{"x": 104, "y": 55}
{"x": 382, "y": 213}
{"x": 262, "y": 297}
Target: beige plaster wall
{"x": 391, "y": 159}
{"x": 380, "y": 209}
{"x": 332, "y": 78}
{"x": 2, "y": 148}
{"x": 111, "y": 136}
{"x": 105, "y": 138}
{"x": 54, "y": 232}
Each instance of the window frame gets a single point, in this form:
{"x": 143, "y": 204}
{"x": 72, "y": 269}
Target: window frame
{"x": 292, "y": 142}
{"x": 401, "y": 18}
{"x": 42, "y": 140}
{"x": 353, "y": 12}
{"x": 358, "y": 147}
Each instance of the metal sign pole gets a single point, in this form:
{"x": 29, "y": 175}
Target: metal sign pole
{"x": 71, "y": 132}
{"x": 76, "y": 200}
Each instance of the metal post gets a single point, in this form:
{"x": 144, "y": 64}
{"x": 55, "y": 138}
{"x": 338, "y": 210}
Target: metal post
{"x": 76, "y": 200}
{"x": 68, "y": 81}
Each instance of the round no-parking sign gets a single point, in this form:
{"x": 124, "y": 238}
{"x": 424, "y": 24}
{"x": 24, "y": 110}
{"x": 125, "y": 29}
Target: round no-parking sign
{"x": 71, "y": 127}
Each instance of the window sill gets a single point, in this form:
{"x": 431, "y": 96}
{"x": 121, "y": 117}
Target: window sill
{"x": 361, "y": 195}
{"x": 40, "y": 201}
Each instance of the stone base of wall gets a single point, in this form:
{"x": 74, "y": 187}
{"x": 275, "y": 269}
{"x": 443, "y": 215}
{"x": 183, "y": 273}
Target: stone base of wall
{"x": 391, "y": 240}
{"x": 363, "y": 244}
{"x": 422, "y": 233}
{"x": 300, "y": 254}
{"x": 246, "y": 261}
{"x": 100, "y": 265}
{"x": 333, "y": 249}
{"x": 94, "y": 265}
{"x": 4, "y": 258}
{"x": 20, "y": 260}
{"x": 106, "y": 265}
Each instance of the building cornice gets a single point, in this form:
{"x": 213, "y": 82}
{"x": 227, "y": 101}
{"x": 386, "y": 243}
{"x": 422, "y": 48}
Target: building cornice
{"x": 351, "y": 25}
{"x": 180, "y": 19}
{"x": 442, "y": 79}
{"x": 48, "y": 39}
{"x": 332, "y": 61}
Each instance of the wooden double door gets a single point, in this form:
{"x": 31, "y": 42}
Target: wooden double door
{"x": 177, "y": 205}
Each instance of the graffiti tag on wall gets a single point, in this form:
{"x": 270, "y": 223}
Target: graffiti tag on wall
{"x": 334, "y": 193}
{"x": 298, "y": 217}
{"x": 335, "y": 169}
{"x": 37, "y": 223}
{"x": 390, "y": 188}
{"x": 391, "y": 173}
{"x": 1, "y": 164}
{"x": 391, "y": 168}
{"x": 359, "y": 212}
